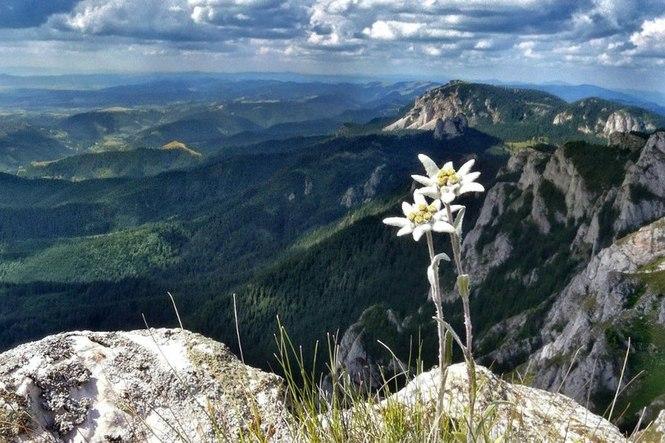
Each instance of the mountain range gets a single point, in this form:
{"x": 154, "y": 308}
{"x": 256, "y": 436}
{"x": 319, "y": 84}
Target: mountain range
{"x": 517, "y": 114}
{"x": 47, "y": 125}
{"x": 650, "y": 100}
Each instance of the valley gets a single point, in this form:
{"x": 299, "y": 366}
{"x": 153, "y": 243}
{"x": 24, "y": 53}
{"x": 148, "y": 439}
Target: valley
{"x": 275, "y": 192}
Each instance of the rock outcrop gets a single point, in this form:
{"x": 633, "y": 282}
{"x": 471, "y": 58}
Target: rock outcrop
{"x": 364, "y": 192}
{"x": 359, "y": 355}
{"x": 623, "y": 121}
{"x": 548, "y": 188}
{"x": 519, "y": 413}
{"x": 455, "y": 101}
{"x": 433, "y": 106}
{"x": 173, "y": 385}
{"x": 561, "y": 118}
{"x": 642, "y": 194}
{"x": 156, "y": 385}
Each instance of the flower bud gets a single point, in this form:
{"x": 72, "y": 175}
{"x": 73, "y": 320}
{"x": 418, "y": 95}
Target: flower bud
{"x": 463, "y": 284}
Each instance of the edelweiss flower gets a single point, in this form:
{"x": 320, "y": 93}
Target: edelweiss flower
{"x": 446, "y": 183}
{"x": 421, "y": 217}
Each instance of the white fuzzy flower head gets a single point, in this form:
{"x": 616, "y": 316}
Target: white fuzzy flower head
{"x": 446, "y": 183}
{"x": 421, "y": 217}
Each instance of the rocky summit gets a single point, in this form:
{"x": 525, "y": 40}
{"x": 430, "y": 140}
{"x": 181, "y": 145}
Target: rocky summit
{"x": 149, "y": 385}
{"x": 174, "y": 385}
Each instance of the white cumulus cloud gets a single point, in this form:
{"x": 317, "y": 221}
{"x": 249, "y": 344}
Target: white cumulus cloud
{"x": 651, "y": 36}
{"x": 391, "y": 30}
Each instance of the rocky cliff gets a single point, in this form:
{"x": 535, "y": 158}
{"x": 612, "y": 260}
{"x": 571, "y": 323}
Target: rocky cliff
{"x": 624, "y": 121}
{"x": 599, "y": 310}
{"x": 173, "y": 385}
{"x": 591, "y": 293}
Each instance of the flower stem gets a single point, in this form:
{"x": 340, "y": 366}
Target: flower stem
{"x": 440, "y": 324}
{"x": 463, "y": 288}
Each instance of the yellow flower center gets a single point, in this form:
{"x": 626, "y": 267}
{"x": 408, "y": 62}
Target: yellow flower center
{"x": 447, "y": 177}
{"x": 423, "y": 213}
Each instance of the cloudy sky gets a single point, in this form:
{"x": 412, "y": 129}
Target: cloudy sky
{"x": 617, "y": 43}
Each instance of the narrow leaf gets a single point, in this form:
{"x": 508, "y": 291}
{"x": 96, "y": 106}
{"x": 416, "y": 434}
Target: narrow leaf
{"x": 433, "y": 268}
{"x": 459, "y": 219}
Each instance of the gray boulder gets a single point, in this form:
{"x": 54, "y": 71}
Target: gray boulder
{"x": 158, "y": 385}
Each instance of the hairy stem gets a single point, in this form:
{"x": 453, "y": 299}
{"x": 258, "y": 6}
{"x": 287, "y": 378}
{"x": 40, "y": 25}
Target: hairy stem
{"x": 463, "y": 288}
{"x": 440, "y": 324}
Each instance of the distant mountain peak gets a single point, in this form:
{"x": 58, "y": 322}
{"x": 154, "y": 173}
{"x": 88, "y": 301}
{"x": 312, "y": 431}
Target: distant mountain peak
{"x": 516, "y": 113}
{"x": 480, "y": 103}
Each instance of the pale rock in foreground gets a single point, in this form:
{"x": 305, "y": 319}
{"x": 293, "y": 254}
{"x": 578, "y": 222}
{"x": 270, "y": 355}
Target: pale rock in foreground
{"x": 174, "y": 385}
{"x": 654, "y": 432}
{"x": 157, "y": 385}
{"x": 518, "y": 412}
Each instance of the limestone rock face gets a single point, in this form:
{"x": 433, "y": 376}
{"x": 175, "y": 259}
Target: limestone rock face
{"x": 450, "y": 102}
{"x": 642, "y": 194}
{"x": 638, "y": 200}
{"x": 374, "y": 180}
{"x": 623, "y": 121}
{"x": 480, "y": 261}
{"x": 614, "y": 233}
{"x": 365, "y": 191}
{"x": 357, "y": 354}
{"x": 561, "y": 118}
{"x": 485, "y": 105}
{"x": 594, "y": 299}
{"x": 429, "y": 109}
{"x": 161, "y": 385}
{"x": 450, "y": 127}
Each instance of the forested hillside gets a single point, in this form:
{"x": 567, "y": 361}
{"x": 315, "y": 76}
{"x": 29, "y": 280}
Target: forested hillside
{"x": 133, "y": 163}
{"x": 199, "y": 232}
